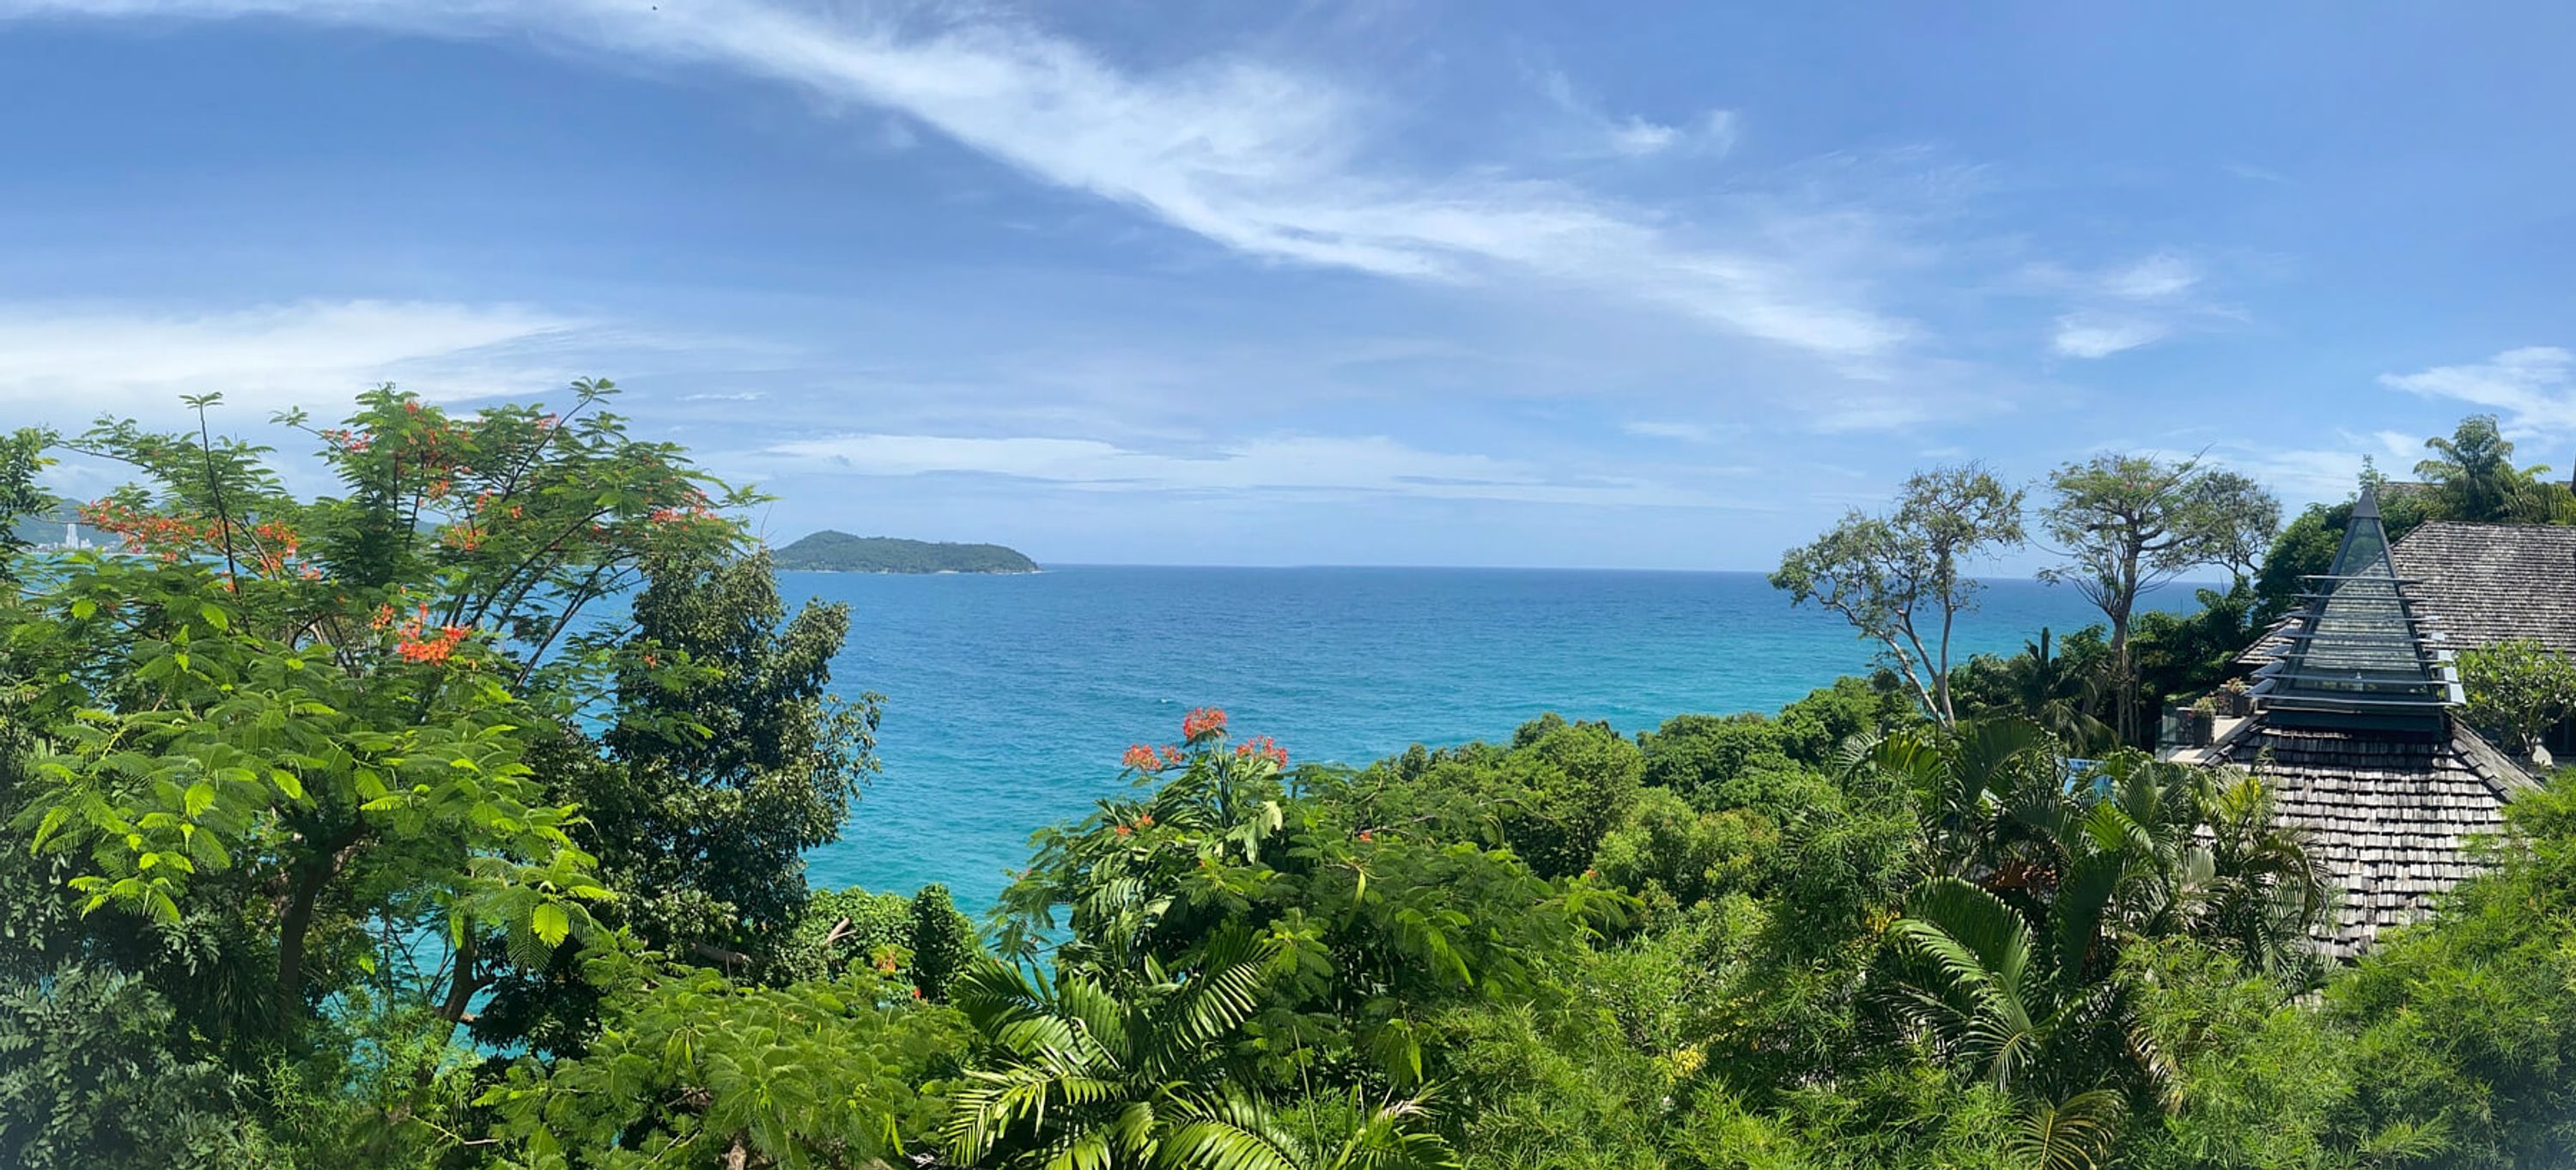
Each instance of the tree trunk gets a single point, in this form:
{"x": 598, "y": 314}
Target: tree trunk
{"x": 2124, "y": 680}
{"x": 462, "y": 983}
{"x": 293, "y": 924}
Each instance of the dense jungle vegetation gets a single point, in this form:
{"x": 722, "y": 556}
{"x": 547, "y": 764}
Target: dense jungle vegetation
{"x": 344, "y": 831}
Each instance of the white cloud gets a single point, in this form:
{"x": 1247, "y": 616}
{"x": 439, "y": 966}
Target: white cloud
{"x": 2095, "y": 335}
{"x": 66, "y": 364}
{"x": 1637, "y": 136}
{"x": 1302, "y": 464}
{"x": 1712, "y": 133}
{"x": 1687, "y": 432}
{"x": 2532, "y": 389}
{"x": 2155, "y": 278}
{"x": 2249, "y": 171}
{"x": 1259, "y": 159}
{"x": 2310, "y": 475}
{"x": 2125, "y": 306}
{"x": 737, "y": 396}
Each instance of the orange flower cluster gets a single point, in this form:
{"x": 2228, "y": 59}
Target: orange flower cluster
{"x": 166, "y": 537}
{"x": 415, "y": 643}
{"x": 1148, "y": 759}
{"x": 1124, "y": 831}
{"x": 434, "y": 648}
{"x": 1202, "y": 721}
{"x": 352, "y": 442}
{"x": 273, "y": 546}
{"x": 269, "y": 546}
{"x": 1261, "y": 747}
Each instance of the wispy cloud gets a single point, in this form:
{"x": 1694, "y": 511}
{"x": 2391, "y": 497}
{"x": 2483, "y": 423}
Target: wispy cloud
{"x": 2318, "y": 473}
{"x": 2124, "y": 306}
{"x": 68, "y": 363}
{"x": 1687, "y": 432}
{"x": 2162, "y": 276}
{"x": 1283, "y": 464}
{"x": 1712, "y": 133}
{"x": 2532, "y": 389}
{"x": 1267, "y": 161}
{"x": 2099, "y": 335}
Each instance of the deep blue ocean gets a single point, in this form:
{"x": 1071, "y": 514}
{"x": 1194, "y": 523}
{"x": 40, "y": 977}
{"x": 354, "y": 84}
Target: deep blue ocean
{"x": 1010, "y": 698}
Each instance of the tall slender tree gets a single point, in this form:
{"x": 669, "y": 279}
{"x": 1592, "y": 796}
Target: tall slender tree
{"x": 2130, "y": 523}
{"x": 1897, "y": 578}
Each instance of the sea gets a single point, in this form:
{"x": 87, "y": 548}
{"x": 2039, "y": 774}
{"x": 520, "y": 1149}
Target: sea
{"x": 1009, "y": 699}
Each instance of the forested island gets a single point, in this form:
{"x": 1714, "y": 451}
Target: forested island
{"x": 338, "y": 831}
{"x": 839, "y": 552}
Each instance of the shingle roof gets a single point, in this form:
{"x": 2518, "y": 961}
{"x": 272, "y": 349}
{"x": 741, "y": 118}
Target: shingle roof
{"x": 2489, "y": 583}
{"x": 2387, "y": 817}
{"x": 2480, "y": 583}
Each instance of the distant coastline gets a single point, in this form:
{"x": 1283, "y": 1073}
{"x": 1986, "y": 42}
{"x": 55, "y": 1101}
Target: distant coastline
{"x": 839, "y": 552}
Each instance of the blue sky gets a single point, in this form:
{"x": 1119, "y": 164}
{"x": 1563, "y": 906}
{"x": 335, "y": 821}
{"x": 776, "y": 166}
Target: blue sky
{"x": 1468, "y": 283}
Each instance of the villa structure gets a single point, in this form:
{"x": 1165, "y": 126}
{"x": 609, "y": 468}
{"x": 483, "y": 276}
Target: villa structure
{"x": 2356, "y": 699}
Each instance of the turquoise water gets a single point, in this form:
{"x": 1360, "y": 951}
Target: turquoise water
{"x": 1010, "y": 698}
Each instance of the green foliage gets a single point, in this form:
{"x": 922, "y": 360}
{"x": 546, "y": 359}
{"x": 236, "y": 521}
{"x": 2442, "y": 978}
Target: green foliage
{"x": 725, "y": 734}
{"x": 1684, "y": 855}
{"x": 841, "y": 552}
{"x": 2465, "y": 1030}
{"x": 2178, "y": 655}
{"x": 95, "y": 1074}
{"x": 2473, "y": 478}
{"x": 1814, "y": 728}
{"x": 690, "y": 1069}
{"x": 2517, "y": 690}
{"x": 1696, "y": 755}
{"x": 1128, "y": 1069}
{"x": 1559, "y": 1091}
{"x": 2129, "y": 523}
{"x": 943, "y": 942}
{"x": 1896, "y": 578}
{"x": 847, "y": 929}
{"x": 22, "y": 457}
{"x": 2063, "y": 694}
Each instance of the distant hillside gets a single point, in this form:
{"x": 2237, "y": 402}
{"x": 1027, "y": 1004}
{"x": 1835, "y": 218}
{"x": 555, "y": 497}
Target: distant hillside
{"x": 840, "y": 552}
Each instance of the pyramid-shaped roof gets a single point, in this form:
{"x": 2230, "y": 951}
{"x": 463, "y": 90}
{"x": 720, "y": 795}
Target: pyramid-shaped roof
{"x": 2358, "y": 655}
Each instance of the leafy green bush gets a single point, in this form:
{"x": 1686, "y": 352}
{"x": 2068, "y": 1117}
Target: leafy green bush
{"x": 692, "y": 1069}
{"x": 94, "y": 1075}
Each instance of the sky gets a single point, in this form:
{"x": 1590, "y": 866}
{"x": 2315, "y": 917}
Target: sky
{"x": 1471, "y": 283}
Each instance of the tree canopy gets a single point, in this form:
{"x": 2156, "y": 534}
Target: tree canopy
{"x": 1898, "y": 579}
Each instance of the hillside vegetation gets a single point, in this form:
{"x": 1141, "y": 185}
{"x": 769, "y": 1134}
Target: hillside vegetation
{"x": 840, "y": 552}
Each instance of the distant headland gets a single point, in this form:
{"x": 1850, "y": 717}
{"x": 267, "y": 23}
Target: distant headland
{"x": 840, "y": 552}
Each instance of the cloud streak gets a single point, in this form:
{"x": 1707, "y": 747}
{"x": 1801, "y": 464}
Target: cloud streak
{"x": 69, "y": 363}
{"x": 2099, "y": 335}
{"x": 1304, "y": 465}
{"x": 1261, "y": 160}
{"x": 2531, "y": 389}
{"x": 2124, "y": 307}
